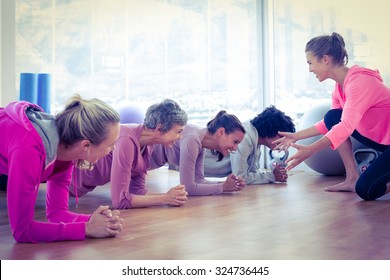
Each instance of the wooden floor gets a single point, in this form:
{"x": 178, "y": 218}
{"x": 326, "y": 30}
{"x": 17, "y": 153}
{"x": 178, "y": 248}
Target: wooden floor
{"x": 298, "y": 220}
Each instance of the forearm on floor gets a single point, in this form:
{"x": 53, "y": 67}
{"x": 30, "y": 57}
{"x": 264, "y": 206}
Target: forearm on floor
{"x": 147, "y": 200}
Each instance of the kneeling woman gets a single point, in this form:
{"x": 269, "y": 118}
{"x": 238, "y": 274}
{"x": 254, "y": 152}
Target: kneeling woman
{"x": 222, "y": 136}
{"x": 126, "y": 166}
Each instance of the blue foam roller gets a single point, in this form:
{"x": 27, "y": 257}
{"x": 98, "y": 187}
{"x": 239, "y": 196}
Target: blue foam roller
{"x": 28, "y": 87}
{"x": 44, "y": 91}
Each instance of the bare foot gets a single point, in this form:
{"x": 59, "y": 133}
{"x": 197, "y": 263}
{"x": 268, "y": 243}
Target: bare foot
{"x": 342, "y": 187}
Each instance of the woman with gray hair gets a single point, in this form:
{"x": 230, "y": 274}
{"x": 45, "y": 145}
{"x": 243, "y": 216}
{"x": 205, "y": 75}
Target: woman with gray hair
{"x": 126, "y": 166}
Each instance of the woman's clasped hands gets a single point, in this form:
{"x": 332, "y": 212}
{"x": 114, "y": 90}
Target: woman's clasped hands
{"x": 234, "y": 183}
{"x": 177, "y": 196}
{"x": 104, "y": 223}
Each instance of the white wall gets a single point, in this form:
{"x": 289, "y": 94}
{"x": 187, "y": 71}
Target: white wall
{"x": 7, "y": 50}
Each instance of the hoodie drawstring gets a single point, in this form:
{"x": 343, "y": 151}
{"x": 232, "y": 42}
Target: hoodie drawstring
{"x": 75, "y": 185}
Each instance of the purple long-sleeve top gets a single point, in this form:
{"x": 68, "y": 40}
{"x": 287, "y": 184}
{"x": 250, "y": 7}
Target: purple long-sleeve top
{"x": 125, "y": 168}
{"x": 24, "y": 157}
{"x": 188, "y": 154}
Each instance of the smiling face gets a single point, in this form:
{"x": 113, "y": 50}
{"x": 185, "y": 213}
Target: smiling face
{"x": 168, "y": 138}
{"x": 228, "y": 143}
{"x": 318, "y": 67}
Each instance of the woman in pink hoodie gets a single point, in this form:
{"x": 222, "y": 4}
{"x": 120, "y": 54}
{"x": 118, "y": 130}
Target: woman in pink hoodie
{"x": 37, "y": 147}
{"x": 360, "y": 108}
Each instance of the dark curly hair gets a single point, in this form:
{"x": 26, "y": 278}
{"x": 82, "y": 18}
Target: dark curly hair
{"x": 269, "y": 122}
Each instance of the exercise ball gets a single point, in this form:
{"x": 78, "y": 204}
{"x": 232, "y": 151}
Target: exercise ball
{"x": 131, "y": 112}
{"x": 326, "y": 161}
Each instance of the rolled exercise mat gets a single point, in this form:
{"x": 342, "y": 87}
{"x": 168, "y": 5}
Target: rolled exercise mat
{"x": 44, "y": 91}
{"x": 28, "y": 87}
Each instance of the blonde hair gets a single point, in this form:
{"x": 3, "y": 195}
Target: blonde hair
{"x": 85, "y": 119}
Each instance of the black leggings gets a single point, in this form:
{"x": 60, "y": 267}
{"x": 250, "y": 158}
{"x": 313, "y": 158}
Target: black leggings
{"x": 372, "y": 182}
{"x": 3, "y": 182}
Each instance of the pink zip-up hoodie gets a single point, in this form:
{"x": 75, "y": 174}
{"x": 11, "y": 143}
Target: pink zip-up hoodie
{"x": 365, "y": 101}
{"x": 28, "y": 156}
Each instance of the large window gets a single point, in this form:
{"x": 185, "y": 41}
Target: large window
{"x": 206, "y": 54}
{"x": 361, "y": 23}
{"x": 202, "y": 53}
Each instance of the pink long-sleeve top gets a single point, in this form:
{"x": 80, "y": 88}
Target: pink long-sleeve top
{"x": 125, "y": 168}
{"x": 23, "y": 158}
{"x": 188, "y": 154}
{"x": 365, "y": 101}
